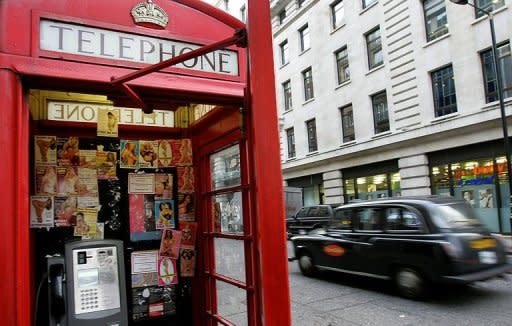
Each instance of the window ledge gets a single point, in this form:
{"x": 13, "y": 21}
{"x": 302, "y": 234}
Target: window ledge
{"x": 440, "y": 38}
{"x": 308, "y": 101}
{"x": 305, "y": 51}
{"x": 348, "y": 144}
{"x": 445, "y": 117}
{"x": 290, "y": 159}
{"x": 345, "y": 83}
{"x": 368, "y": 8}
{"x": 381, "y": 134}
{"x": 287, "y": 111}
{"x": 484, "y": 17}
{"x": 284, "y": 65}
{"x": 312, "y": 153}
{"x": 338, "y": 28}
{"x": 375, "y": 69}
{"x": 495, "y": 104}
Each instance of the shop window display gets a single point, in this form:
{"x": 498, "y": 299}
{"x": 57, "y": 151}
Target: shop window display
{"x": 483, "y": 183}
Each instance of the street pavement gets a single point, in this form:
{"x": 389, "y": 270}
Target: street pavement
{"x": 335, "y": 299}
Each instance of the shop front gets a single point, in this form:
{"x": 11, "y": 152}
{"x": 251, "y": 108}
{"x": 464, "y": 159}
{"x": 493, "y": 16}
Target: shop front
{"x": 377, "y": 180}
{"x": 134, "y": 186}
{"x": 477, "y": 174}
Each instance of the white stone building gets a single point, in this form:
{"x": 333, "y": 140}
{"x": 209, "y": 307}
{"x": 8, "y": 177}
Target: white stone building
{"x": 393, "y": 97}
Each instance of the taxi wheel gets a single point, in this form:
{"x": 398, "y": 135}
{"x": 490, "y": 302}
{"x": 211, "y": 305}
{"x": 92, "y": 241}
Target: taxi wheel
{"x": 410, "y": 283}
{"x": 306, "y": 265}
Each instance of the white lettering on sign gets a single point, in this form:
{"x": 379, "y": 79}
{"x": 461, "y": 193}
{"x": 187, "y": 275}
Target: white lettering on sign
{"x": 87, "y": 112}
{"x": 107, "y": 44}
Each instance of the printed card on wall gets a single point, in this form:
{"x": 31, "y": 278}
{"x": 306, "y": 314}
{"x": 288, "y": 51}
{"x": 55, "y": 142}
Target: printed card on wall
{"x": 170, "y": 244}
{"x": 187, "y": 262}
{"x": 185, "y": 179}
{"x": 67, "y": 151}
{"x": 164, "y": 213}
{"x": 88, "y": 201}
{"x": 41, "y": 212}
{"x": 65, "y": 210}
{"x": 143, "y": 183}
{"x": 88, "y": 180}
{"x": 108, "y": 121}
{"x": 148, "y": 157}
{"x": 46, "y": 180}
{"x": 144, "y": 268}
{"x": 167, "y": 271}
{"x": 45, "y": 150}
{"x": 164, "y": 153}
{"x": 88, "y": 158}
{"x": 136, "y": 209}
{"x": 188, "y": 234}
{"x": 86, "y": 219}
{"x": 163, "y": 185}
{"x": 153, "y": 301}
{"x": 68, "y": 182}
{"x": 129, "y": 157}
{"x": 106, "y": 165}
{"x": 186, "y": 207}
{"x": 181, "y": 152}
{"x": 142, "y": 218}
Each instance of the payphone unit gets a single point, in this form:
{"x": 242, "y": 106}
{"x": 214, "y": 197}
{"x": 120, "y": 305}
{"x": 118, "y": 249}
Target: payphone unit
{"x": 87, "y": 285}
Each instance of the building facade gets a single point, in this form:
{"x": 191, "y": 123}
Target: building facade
{"x": 384, "y": 98}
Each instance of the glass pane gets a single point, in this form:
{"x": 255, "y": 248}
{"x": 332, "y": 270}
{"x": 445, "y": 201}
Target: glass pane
{"x": 230, "y": 258}
{"x": 228, "y": 213}
{"x": 232, "y": 303}
{"x": 225, "y": 168}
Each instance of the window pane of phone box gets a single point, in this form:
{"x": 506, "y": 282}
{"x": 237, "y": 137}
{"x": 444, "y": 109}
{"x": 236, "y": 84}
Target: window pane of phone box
{"x": 232, "y": 303}
{"x": 230, "y": 258}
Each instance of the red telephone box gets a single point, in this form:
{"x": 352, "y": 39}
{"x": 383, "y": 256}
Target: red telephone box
{"x": 180, "y": 72}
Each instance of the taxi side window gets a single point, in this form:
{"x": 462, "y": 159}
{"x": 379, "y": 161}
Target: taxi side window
{"x": 342, "y": 220}
{"x": 402, "y": 219}
{"x": 323, "y": 212}
{"x": 313, "y": 211}
{"x": 369, "y": 219}
{"x": 303, "y": 212}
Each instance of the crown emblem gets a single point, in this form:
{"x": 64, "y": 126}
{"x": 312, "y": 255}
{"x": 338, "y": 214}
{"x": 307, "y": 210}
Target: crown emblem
{"x": 149, "y": 13}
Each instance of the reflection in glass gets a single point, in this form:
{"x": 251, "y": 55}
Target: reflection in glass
{"x": 228, "y": 213}
{"x": 230, "y": 258}
{"x": 232, "y": 303}
{"x": 225, "y": 168}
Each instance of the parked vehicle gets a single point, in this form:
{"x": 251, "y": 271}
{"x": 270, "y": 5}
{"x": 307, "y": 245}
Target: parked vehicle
{"x": 310, "y": 218}
{"x": 415, "y": 242}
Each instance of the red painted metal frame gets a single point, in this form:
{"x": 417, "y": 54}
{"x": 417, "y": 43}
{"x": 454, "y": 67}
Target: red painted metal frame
{"x": 265, "y": 164}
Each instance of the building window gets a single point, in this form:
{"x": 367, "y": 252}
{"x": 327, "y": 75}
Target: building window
{"x": 367, "y": 3}
{"x": 283, "y": 47}
{"x": 374, "y": 47}
{"x": 435, "y": 18}
{"x": 505, "y": 69}
{"x": 226, "y": 5}
{"x": 312, "y": 144}
{"x": 304, "y": 38}
{"x": 243, "y": 14}
{"x": 337, "y": 13}
{"x": 307, "y": 76}
{"x": 282, "y": 16}
{"x": 342, "y": 66}
{"x": 443, "y": 85}
{"x": 290, "y": 138}
{"x": 300, "y": 3}
{"x": 347, "y": 122}
{"x": 287, "y": 93}
{"x": 487, "y": 5}
{"x": 380, "y": 112}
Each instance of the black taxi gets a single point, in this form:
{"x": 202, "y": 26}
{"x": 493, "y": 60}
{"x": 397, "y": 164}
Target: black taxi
{"x": 413, "y": 241}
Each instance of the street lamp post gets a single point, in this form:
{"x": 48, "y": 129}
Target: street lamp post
{"x": 500, "y": 98}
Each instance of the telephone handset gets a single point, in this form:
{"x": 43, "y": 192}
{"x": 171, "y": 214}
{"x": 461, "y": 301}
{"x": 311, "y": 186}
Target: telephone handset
{"x": 87, "y": 285}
